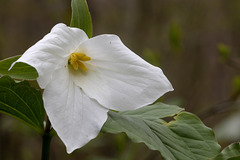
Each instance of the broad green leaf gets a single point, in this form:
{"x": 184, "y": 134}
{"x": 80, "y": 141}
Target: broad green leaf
{"x": 154, "y": 112}
{"x": 81, "y": 17}
{"x": 184, "y": 138}
{"x": 199, "y": 139}
{"x": 232, "y": 152}
{"x": 22, "y": 101}
{"x": 19, "y": 70}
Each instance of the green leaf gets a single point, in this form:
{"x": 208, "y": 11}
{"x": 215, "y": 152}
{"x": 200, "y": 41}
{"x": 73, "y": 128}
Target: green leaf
{"x": 22, "y": 101}
{"x": 224, "y": 51}
{"x": 19, "y": 70}
{"x": 81, "y": 17}
{"x": 175, "y": 36}
{"x": 185, "y": 138}
{"x": 236, "y": 83}
{"x": 232, "y": 152}
{"x": 154, "y": 112}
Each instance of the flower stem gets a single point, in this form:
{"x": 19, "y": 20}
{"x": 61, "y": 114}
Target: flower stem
{"x": 46, "y": 139}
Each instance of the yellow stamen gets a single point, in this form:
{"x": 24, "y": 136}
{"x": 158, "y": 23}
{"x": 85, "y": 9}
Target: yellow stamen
{"x": 75, "y": 60}
{"x": 82, "y": 57}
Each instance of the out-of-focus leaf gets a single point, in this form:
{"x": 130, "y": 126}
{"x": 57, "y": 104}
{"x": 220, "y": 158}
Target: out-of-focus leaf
{"x": 151, "y": 56}
{"x": 22, "y": 101}
{"x": 232, "y": 152}
{"x": 185, "y": 138}
{"x": 175, "y": 36}
{"x": 236, "y": 83}
{"x": 19, "y": 70}
{"x": 224, "y": 51}
{"x": 81, "y": 17}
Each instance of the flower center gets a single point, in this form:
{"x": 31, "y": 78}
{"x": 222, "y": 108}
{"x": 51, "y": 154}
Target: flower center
{"x": 75, "y": 60}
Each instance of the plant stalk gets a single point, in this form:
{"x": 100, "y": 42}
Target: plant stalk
{"x": 46, "y": 140}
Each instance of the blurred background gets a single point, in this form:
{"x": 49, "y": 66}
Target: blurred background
{"x": 196, "y": 43}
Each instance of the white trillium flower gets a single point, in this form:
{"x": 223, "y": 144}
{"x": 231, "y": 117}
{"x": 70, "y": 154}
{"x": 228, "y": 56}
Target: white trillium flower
{"x": 83, "y": 78}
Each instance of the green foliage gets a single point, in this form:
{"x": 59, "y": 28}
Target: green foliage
{"x": 19, "y": 70}
{"x": 81, "y": 17}
{"x": 23, "y": 102}
{"x": 152, "y": 57}
{"x": 236, "y": 83}
{"x": 185, "y": 138}
{"x": 232, "y": 152}
{"x": 223, "y": 51}
{"x": 175, "y": 36}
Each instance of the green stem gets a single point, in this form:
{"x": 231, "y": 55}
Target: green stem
{"x": 46, "y": 140}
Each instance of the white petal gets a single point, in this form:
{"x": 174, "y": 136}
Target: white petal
{"x": 76, "y": 118}
{"x": 51, "y": 52}
{"x": 117, "y": 78}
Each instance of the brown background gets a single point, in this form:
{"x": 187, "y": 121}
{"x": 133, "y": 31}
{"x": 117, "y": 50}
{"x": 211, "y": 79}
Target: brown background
{"x": 180, "y": 36}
